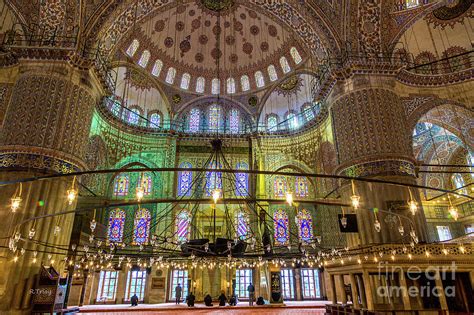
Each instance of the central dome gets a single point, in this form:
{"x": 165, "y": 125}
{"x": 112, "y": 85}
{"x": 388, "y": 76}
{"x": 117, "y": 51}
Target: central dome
{"x": 208, "y": 46}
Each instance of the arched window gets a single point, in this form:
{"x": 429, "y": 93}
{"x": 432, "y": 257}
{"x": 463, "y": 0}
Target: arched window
{"x": 145, "y": 181}
{"x": 121, "y": 185}
{"x": 458, "y": 181}
{"x": 200, "y": 85}
{"x": 185, "y": 79}
{"x": 141, "y": 228}
{"x": 116, "y": 224}
{"x": 157, "y": 68}
{"x": 245, "y": 82}
{"x": 215, "y": 118}
{"x": 259, "y": 80}
{"x": 272, "y": 73}
{"x": 295, "y": 55}
{"x": 280, "y": 222}
{"x": 316, "y": 108}
{"x": 234, "y": 120}
{"x": 292, "y": 121}
{"x": 194, "y": 120}
{"x": 170, "y": 75}
{"x": 230, "y": 85}
{"x": 242, "y": 225}
{"x": 242, "y": 183}
{"x": 183, "y": 231}
{"x": 185, "y": 178}
{"x": 470, "y": 162}
{"x": 412, "y": 3}
{"x": 301, "y": 186}
{"x": 308, "y": 112}
{"x": 285, "y": 66}
{"x": 272, "y": 122}
{"x": 132, "y": 49}
{"x": 305, "y": 225}
{"x": 115, "y": 108}
{"x": 143, "y": 62}
{"x": 134, "y": 116}
{"x": 213, "y": 179}
{"x": 279, "y": 186}
{"x": 215, "y": 86}
{"x": 155, "y": 120}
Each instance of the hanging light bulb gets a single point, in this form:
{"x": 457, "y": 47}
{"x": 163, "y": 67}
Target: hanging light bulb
{"x": 413, "y": 206}
{"x": 57, "y": 230}
{"x": 216, "y": 194}
{"x": 377, "y": 225}
{"x": 71, "y": 195}
{"x": 401, "y": 230}
{"x": 355, "y": 199}
{"x": 289, "y": 198}
{"x": 453, "y": 211}
{"x": 344, "y": 222}
{"x": 35, "y": 253}
{"x": 93, "y": 225}
{"x": 15, "y": 203}
{"x": 31, "y": 233}
{"x": 140, "y": 193}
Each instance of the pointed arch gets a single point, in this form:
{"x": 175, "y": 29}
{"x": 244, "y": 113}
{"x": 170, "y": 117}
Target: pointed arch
{"x": 305, "y": 225}
{"x": 141, "y": 227}
{"x": 121, "y": 185}
{"x": 185, "y": 179}
{"x": 280, "y": 222}
{"x": 183, "y": 231}
{"x": 116, "y": 225}
{"x": 280, "y": 186}
{"x": 242, "y": 182}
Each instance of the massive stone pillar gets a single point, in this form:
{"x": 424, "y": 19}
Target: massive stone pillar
{"x": 373, "y": 140}
{"x": 45, "y": 131}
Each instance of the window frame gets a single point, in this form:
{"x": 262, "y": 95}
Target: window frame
{"x": 105, "y": 276}
{"x": 142, "y": 289}
{"x": 182, "y": 279}
{"x": 315, "y": 276}
{"x": 248, "y": 278}
{"x": 288, "y": 280}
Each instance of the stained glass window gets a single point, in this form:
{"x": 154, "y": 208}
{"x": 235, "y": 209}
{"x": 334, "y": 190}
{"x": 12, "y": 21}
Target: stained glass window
{"x": 200, "y": 85}
{"x": 458, "y": 182}
{"x": 115, "y": 108}
{"x": 134, "y": 116}
{"x": 157, "y": 68}
{"x": 143, "y": 62}
{"x": 182, "y": 226}
{"x": 170, "y": 75}
{"x": 215, "y": 118}
{"x": 245, "y": 82}
{"x": 259, "y": 80}
{"x": 280, "y": 221}
{"x": 141, "y": 228}
{"x": 316, "y": 108}
{"x": 213, "y": 179}
{"x": 215, "y": 86}
{"x": 285, "y": 66}
{"x": 242, "y": 225}
{"x": 295, "y": 55}
{"x": 230, "y": 85}
{"x": 155, "y": 120}
{"x": 185, "y": 79}
{"x": 121, "y": 185}
{"x": 132, "y": 49}
{"x": 146, "y": 183}
{"x": 292, "y": 120}
{"x": 470, "y": 163}
{"x": 272, "y": 73}
{"x": 305, "y": 225}
{"x": 116, "y": 224}
{"x": 301, "y": 186}
{"x": 272, "y": 122}
{"x": 242, "y": 183}
{"x": 194, "y": 120}
{"x": 234, "y": 120}
{"x": 185, "y": 179}
{"x": 412, "y": 3}
{"x": 308, "y": 112}
{"x": 279, "y": 186}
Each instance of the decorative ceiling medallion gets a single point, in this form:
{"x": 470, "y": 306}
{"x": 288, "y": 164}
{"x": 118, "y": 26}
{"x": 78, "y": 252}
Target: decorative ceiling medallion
{"x": 137, "y": 80}
{"x": 176, "y": 98}
{"x": 253, "y": 100}
{"x": 451, "y": 14}
{"x": 218, "y": 5}
{"x": 290, "y": 86}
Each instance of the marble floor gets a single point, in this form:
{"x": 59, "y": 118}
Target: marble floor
{"x": 296, "y": 307}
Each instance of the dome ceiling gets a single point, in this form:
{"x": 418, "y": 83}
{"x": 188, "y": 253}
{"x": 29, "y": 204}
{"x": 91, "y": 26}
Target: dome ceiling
{"x": 201, "y": 36}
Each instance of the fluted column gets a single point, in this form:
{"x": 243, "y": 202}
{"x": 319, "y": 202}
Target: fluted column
{"x": 45, "y": 131}
{"x": 373, "y": 140}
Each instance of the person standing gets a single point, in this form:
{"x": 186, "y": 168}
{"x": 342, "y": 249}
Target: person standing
{"x": 251, "y": 290}
{"x": 178, "y": 290}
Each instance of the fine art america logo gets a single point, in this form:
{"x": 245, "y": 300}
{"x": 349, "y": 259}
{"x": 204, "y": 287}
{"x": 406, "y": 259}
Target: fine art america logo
{"x": 419, "y": 282}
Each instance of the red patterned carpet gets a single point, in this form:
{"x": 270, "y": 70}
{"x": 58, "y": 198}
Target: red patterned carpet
{"x": 303, "y": 308}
